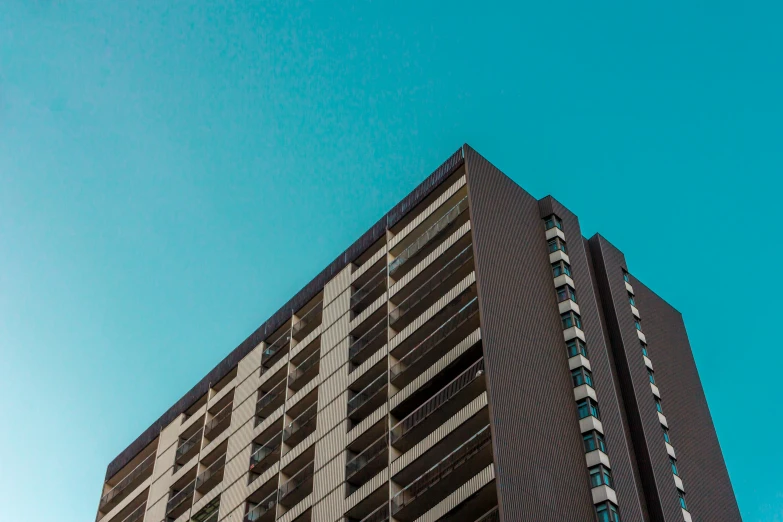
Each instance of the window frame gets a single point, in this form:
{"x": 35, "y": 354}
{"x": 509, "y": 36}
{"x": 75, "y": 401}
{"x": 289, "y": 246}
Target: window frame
{"x": 555, "y": 220}
{"x": 563, "y": 266}
{"x": 582, "y": 374}
{"x": 592, "y": 408}
{"x": 598, "y": 441}
{"x": 658, "y": 404}
{"x": 632, "y": 299}
{"x": 581, "y": 347}
{"x": 626, "y": 276}
{"x": 575, "y": 318}
{"x": 651, "y": 375}
{"x": 559, "y": 244}
{"x": 644, "y": 348}
{"x": 604, "y": 473}
{"x": 611, "y": 511}
{"x": 570, "y": 293}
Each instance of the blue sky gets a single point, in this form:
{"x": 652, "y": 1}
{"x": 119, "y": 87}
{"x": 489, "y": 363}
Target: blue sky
{"x": 170, "y": 175}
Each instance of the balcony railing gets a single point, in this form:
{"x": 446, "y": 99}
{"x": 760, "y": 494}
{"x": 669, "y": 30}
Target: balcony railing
{"x": 368, "y": 455}
{"x": 220, "y": 417}
{"x": 304, "y": 366}
{"x": 367, "y": 393}
{"x": 180, "y": 497}
{"x": 266, "y": 449}
{"x": 435, "y": 402}
{"x": 311, "y": 318}
{"x": 273, "y": 349}
{"x": 295, "y": 482}
{"x": 429, "y": 234}
{"x": 187, "y": 445}
{"x": 211, "y": 472}
{"x": 432, "y": 283}
{"x": 368, "y": 288}
{"x": 493, "y": 515}
{"x": 262, "y": 508}
{"x": 433, "y": 339}
{"x": 379, "y": 515}
{"x": 301, "y": 422}
{"x": 270, "y": 396}
{"x": 130, "y": 478}
{"x": 137, "y": 514}
{"x": 441, "y": 470}
{"x": 378, "y": 330}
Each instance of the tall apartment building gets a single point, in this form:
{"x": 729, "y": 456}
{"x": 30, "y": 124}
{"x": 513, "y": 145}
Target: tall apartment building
{"x": 472, "y": 357}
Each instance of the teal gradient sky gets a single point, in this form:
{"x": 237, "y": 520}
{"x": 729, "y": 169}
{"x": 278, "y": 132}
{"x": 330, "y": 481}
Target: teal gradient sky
{"x": 169, "y": 176}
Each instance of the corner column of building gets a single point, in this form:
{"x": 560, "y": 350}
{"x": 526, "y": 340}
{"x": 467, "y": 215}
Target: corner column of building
{"x": 643, "y": 418}
{"x": 540, "y": 465}
{"x": 618, "y": 440}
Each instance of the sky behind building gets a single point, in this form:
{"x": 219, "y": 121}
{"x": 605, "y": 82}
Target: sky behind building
{"x": 169, "y": 176}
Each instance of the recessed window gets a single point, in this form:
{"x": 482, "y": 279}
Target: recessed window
{"x": 637, "y": 323}
{"x": 644, "y": 349}
{"x": 582, "y": 376}
{"x": 658, "y": 405}
{"x": 607, "y": 512}
{"x": 666, "y": 435}
{"x": 556, "y": 244}
{"x": 575, "y": 347}
{"x": 553, "y": 221}
{"x": 652, "y": 375}
{"x": 570, "y": 319}
{"x": 588, "y": 408}
{"x": 561, "y": 268}
{"x": 564, "y": 293}
{"x": 674, "y": 465}
{"x": 631, "y": 299}
{"x": 594, "y": 440}
{"x": 681, "y": 496}
{"x": 626, "y": 277}
{"x": 600, "y": 475}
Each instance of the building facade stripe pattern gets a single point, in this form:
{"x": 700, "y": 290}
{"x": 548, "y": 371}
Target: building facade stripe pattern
{"x": 421, "y": 377}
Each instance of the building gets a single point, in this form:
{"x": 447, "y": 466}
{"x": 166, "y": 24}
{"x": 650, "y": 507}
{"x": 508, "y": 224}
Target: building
{"x": 472, "y": 357}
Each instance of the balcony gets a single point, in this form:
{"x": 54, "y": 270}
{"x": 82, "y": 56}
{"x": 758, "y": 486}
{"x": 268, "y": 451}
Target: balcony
{"x": 266, "y": 454}
{"x": 130, "y": 482}
{"x": 379, "y": 515}
{"x": 188, "y": 448}
{"x": 180, "y": 501}
{"x": 369, "y": 291}
{"x": 302, "y": 426}
{"x": 366, "y": 343}
{"x": 297, "y": 487}
{"x": 462, "y": 318}
{"x": 368, "y": 463}
{"x": 211, "y": 476}
{"x": 441, "y": 406}
{"x": 305, "y": 371}
{"x": 308, "y": 322}
{"x": 270, "y": 401}
{"x": 364, "y": 402}
{"x": 208, "y": 513}
{"x": 263, "y": 511}
{"x": 426, "y": 241}
{"x": 443, "y": 478}
{"x": 137, "y": 515}
{"x": 425, "y": 295}
{"x": 219, "y": 422}
{"x": 275, "y": 350}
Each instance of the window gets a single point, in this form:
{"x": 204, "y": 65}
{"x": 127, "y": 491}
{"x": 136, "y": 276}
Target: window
{"x": 644, "y": 349}
{"x": 652, "y": 375}
{"x": 575, "y": 347}
{"x": 594, "y": 440}
{"x": 588, "y": 408}
{"x": 556, "y": 244}
{"x": 571, "y": 319}
{"x": 681, "y": 496}
{"x": 674, "y": 466}
{"x": 582, "y": 376}
{"x": 607, "y": 512}
{"x": 564, "y": 293}
{"x": 561, "y": 268}
{"x": 553, "y": 221}
{"x": 637, "y": 323}
{"x": 631, "y": 299}
{"x": 626, "y": 278}
{"x": 600, "y": 475}
{"x": 658, "y": 405}
{"x": 666, "y": 435}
